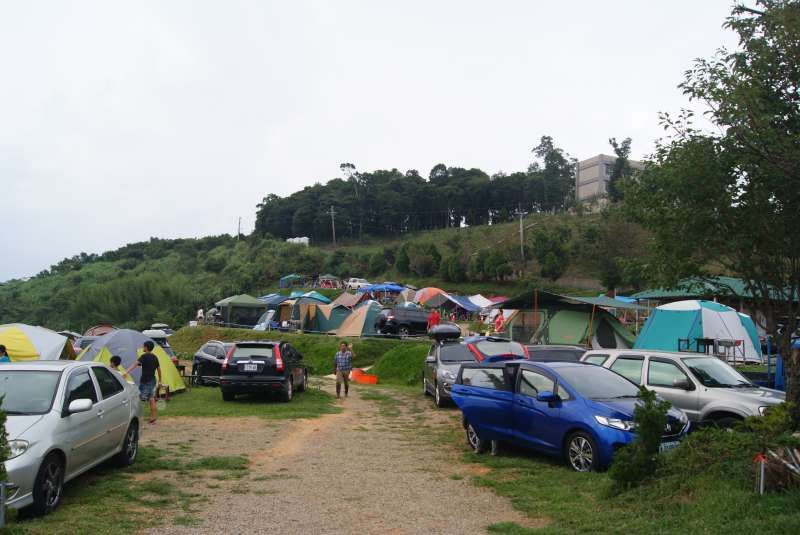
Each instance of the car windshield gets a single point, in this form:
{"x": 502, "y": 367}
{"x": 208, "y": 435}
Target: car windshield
{"x": 456, "y": 353}
{"x": 714, "y": 373}
{"x": 493, "y": 348}
{"x": 595, "y": 382}
{"x": 28, "y": 391}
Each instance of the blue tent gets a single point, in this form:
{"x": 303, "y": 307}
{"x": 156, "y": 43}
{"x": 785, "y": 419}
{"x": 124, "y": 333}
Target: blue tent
{"x": 392, "y": 288}
{"x": 273, "y": 300}
{"x": 463, "y": 302}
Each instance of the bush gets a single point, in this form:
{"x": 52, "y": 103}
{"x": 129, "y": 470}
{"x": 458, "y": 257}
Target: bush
{"x": 401, "y": 365}
{"x": 639, "y": 460}
{"x": 377, "y": 263}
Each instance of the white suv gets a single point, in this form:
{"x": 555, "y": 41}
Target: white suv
{"x": 355, "y": 284}
{"x": 706, "y": 388}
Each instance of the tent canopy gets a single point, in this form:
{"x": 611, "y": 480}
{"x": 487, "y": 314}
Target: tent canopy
{"x": 290, "y": 280}
{"x": 425, "y": 294}
{"x": 361, "y": 321}
{"x": 322, "y": 318}
{"x": 26, "y": 342}
{"x": 575, "y": 325}
{"x": 543, "y": 298}
{"x": 391, "y": 288}
{"x": 273, "y": 300}
{"x": 243, "y": 301}
{"x": 480, "y": 301}
{"x": 318, "y": 296}
{"x": 350, "y": 300}
{"x": 127, "y": 344}
{"x": 698, "y": 323}
{"x": 463, "y": 302}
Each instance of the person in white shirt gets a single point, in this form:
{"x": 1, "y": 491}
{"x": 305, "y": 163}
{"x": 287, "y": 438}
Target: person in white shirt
{"x": 200, "y": 316}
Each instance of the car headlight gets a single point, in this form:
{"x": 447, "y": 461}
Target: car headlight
{"x": 17, "y": 448}
{"x": 762, "y": 410}
{"x": 447, "y": 374}
{"x": 616, "y": 423}
{"x": 684, "y": 418}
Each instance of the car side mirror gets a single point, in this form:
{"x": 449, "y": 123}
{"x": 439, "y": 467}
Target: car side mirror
{"x": 430, "y": 360}
{"x": 79, "y": 405}
{"x": 683, "y": 384}
{"x": 546, "y": 397}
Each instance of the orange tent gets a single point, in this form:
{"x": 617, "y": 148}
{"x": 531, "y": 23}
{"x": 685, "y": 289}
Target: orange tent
{"x": 425, "y": 294}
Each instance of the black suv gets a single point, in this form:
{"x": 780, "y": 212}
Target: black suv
{"x": 207, "y": 362}
{"x": 403, "y": 321}
{"x": 263, "y": 366}
{"x": 447, "y": 354}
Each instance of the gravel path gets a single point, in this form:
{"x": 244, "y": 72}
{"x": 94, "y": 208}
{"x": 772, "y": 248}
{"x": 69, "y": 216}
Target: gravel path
{"x": 369, "y": 469}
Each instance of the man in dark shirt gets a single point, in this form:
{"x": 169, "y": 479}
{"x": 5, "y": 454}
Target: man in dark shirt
{"x": 147, "y": 380}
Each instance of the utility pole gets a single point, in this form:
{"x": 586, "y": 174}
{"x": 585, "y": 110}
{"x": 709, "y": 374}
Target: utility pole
{"x": 239, "y": 229}
{"x": 521, "y": 214}
{"x": 333, "y": 225}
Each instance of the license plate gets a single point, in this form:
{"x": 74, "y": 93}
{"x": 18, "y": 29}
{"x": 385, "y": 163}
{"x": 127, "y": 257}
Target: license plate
{"x": 251, "y": 367}
{"x": 666, "y": 446}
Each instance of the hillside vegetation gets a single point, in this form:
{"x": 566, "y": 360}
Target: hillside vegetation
{"x": 166, "y": 280}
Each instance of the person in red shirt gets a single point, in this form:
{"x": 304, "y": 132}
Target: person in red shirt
{"x": 433, "y": 319}
{"x": 499, "y": 320}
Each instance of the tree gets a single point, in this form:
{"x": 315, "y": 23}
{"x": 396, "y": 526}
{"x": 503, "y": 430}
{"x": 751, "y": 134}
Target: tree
{"x": 550, "y": 250}
{"x": 622, "y": 168}
{"x": 402, "y": 261}
{"x": 377, "y": 263}
{"x": 729, "y": 200}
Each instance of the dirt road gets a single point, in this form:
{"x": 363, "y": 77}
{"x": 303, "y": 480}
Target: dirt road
{"x": 372, "y": 468}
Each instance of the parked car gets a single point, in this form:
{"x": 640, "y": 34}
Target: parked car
{"x": 64, "y": 417}
{"x": 354, "y": 284}
{"x": 263, "y": 366}
{"x": 160, "y": 337}
{"x": 207, "y": 362}
{"x": 446, "y": 356}
{"x": 571, "y": 409}
{"x": 555, "y": 353}
{"x": 163, "y": 327}
{"x": 708, "y": 389}
{"x": 402, "y": 321}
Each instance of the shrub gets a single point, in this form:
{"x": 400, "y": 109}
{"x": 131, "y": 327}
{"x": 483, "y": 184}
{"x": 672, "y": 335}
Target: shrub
{"x": 639, "y": 460}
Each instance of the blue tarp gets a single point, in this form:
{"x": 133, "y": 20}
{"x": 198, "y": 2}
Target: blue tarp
{"x": 273, "y": 300}
{"x": 394, "y": 288}
{"x": 464, "y": 303}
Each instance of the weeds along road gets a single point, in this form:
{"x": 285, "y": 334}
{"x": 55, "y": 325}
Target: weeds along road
{"x": 375, "y": 468}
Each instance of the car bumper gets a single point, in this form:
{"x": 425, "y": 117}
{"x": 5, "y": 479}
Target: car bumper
{"x": 21, "y": 474}
{"x": 251, "y": 385}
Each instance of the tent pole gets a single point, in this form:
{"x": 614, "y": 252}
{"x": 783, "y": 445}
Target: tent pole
{"x": 589, "y": 333}
{"x": 535, "y": 311}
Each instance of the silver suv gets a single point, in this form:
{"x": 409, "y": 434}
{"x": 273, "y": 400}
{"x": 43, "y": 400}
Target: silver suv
{"x": 704, "y": 387}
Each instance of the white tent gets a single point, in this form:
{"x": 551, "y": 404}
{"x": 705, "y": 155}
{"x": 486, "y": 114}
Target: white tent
{"x": 27, "y": 342}
{"x": 480, "y": 301}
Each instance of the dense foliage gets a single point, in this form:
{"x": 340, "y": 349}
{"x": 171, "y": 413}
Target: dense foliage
{"x": 389, "y": 202}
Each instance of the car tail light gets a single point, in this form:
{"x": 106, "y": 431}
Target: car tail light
{"x": 227, "y": 359}
{"x": 527, "y": 353}
{"x": 478, "y": 354}
{"x": 278, "y": 359}
{"x": 389, "y": 317}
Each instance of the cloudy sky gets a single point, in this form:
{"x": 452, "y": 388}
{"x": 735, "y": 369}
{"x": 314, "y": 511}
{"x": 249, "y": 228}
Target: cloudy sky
{"x": 126, "y": 120}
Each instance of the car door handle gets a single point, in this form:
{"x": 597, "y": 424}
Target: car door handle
{"x": 100, "y": 413}
{"x": 125, "y": 402}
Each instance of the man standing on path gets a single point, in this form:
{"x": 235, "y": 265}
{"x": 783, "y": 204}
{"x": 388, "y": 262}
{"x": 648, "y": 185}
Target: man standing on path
{"x": 147, "y": 380}
{"x": 342, "y": 364}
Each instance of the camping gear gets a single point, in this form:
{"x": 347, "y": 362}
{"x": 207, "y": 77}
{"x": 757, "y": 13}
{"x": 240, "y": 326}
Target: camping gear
{"x": 480, "y": 301}
{"x": 350, "y": 300}
{"x": 325, "y": 318}
{"x": 358, "y": 376}
{"x": 426, "y": 296}
{"x": 362, "y": 320}
{"x": 704, "y": 327}
{"x": 406, "y": 295}
{"x": 127, "y": 344}
{"x": 99, "y": 330}
{"x": 241, "y": 309}
{"x": 328, "y": 281}
{"x": 318, "y": 296}
{"x": 461, "y": 302}
{"x": 273, "y": 300}
{"x": 292, "y": 281}
{"x": 571, "y": 326}
{"x": 445, "y": 331}
{"x": 26, "y": 342}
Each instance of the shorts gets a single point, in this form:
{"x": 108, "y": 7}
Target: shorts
{"x": 343, "y": 376}
{"x": 147, "y": 391}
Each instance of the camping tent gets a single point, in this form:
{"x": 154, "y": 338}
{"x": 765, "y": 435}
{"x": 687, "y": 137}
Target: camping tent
{"x": 241, "y": 309}
{"x": 459, "y": 301}
{"x": 696, "y": 325}
{"x": 350, "y": 300}
{"x": 329, "y": 281}
{"x": 127, "y": 344}
{"x": 362, "y": 321}
{"x": 292, "y": 281}
{"x": 99, "y": 330}
{"x": 575, "y": 325}
{"x": 318, "y": 296}
{"x": 425, "y": 294}
{"x": 480, "y": 301}
{"x": 406, "y": 295}
{"x": 322, "y": 318}
{"x": 273, "y": 300}
{"x": 26, "y": 342}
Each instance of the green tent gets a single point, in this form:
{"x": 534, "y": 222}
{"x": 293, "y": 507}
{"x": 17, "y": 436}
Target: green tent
{"x": 569, "y": 325}
{"x": 241, "y": 309}
{"x": 322, "y": 318}
{"x": 362, "y": 320}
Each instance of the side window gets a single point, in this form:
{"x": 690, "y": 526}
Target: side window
{"x": 109, "y": 385}
{"x": 629, "y": 367}
{"x": 80, "y": 386}
{"x": 596, "y": 359}
{"x": 660, "y": 373}
{"x": 531, "y": 383}
{"x": 563, "y": 394}
{"x": 484, "y": 378}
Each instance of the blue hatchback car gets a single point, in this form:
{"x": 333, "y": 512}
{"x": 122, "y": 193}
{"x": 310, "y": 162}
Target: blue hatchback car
{"x": 571, "y": 409}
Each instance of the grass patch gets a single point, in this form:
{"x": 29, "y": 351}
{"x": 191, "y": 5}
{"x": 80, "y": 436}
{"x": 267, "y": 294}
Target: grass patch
{"x": 218, "y": 463}
{"x": 401, "y": 365}
{"x": 206, "y": 401}
{"x": 511, "y": 528}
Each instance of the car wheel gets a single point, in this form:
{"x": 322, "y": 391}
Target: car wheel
{"x": 302, "y": 386}
{"x": 48, "y": 486}
{"x": 726, "y": 422}
{"x": 425, "y": 391}
{"x": 581, "y": 452}
{"x": 437, "y": 396}
{"x": 196, "y": 374}
{"x": 228, "y": 396}
{"x": 130, "y": 447}
{"x": 403, "y": 331}
{"x": 288, "y": 390}
{"x": 476, "y": 443}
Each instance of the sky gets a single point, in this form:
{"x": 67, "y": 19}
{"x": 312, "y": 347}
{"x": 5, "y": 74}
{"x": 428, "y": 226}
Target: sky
{"x": 123, "y": 121}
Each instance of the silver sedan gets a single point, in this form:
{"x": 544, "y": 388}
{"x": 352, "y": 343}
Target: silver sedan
{"x": 64, "y": 417}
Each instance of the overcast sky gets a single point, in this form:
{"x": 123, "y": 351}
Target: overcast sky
{"x": 126, "y": 120}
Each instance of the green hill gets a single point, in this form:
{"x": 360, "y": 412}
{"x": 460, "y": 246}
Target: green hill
{"x": 166, "y": 280}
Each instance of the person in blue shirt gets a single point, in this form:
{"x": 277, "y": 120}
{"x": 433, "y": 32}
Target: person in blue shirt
{"x": 4, "y": 354}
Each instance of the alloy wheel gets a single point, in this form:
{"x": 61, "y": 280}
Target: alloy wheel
{"x": 51, "y": 484}
{"x": 472, "y": 437}
{"x": 581, "y": 454}
{"x": 132, "y": 444}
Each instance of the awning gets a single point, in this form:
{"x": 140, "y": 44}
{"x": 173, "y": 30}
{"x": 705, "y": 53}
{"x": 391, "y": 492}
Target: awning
{"x": 532, "y": 298}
